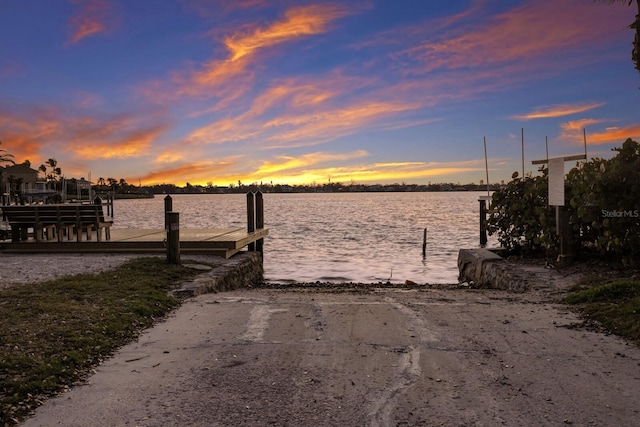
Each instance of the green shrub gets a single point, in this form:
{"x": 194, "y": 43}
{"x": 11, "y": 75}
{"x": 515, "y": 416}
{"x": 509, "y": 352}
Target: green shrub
{"x": 521, "y": 217}
{"x": 602, "y": 202}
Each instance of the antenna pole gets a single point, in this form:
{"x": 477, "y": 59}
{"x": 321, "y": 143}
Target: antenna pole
{"x": 522, "y": 134}
{"x": 546, "y": 144}
{"x": 486, "y": 164}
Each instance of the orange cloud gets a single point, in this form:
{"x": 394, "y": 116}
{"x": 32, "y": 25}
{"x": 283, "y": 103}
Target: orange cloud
{"x": 298, "y": 22}
{"x": 305, "y": 169}
{"x": 299, "y": 129}
{"x": 558, "y": 111}
{"x": 23, "y": 134}
{"x": 303, "y": 112}
{"x": 316, "y": 127}
{"x": 614, "y": 135}
{"x": 199, "y": 173}
{"x": 90, "y": 19}
{"x": 134, "y": 144}
{"x": 373, "y": 173}
{"x": 242, "y": 47}
{"x": 286, "y": 163}
{"x": 533, "y": 30}
{"x": 41, "y": 133}
{"x": 573, "y": 132}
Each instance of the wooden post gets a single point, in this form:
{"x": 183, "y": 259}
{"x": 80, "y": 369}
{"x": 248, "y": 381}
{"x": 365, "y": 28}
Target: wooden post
{"x": 251, "y": 217}
{"x": 259, "y": 220}
{"x": 168, "y": 207}
{"x": 564, "y": 233}
{"x": 110, "y": 196}
{"x": 483, "y": 222}
{"x": 424, "y": 243}
{"x": 173, "y": 238}
{"x": 557, "y": 199}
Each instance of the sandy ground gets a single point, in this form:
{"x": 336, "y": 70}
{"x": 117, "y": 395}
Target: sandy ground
{"x": 31, "y": 268}
{"x": 383, "y": 357}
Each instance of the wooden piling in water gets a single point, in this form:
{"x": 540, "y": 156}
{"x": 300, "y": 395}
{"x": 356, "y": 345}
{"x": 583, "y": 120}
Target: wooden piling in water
{"x": 259, "y": 220}
{"x": 483, "y": 222}
{"x": 424, "y": 243}
{"x": 168, "y": 207}
{"x": 251, "y": 218}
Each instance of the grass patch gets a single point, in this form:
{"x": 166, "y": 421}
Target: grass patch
{"x": 615, "y": 306}
{"x": 53, "y": 333}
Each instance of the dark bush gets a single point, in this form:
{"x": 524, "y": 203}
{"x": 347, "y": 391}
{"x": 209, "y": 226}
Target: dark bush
{"x": 602, "y": 201}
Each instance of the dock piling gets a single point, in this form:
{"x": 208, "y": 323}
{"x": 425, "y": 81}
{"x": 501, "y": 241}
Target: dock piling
{"x": 251, "y": 217}
{"x": 168, "y": 207}
{"x": 259, "y": 220}
{"x": 424, "y": 243}
{"x": 173, "y": 238}
{"x": 483, "y": 222}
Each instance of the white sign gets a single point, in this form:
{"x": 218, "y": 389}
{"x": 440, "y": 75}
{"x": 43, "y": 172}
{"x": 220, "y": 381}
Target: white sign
{"x": 556, "y": 182}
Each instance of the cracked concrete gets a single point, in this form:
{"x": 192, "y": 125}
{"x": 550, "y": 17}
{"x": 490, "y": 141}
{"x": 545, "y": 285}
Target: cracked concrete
{"x": 365, "y": 356}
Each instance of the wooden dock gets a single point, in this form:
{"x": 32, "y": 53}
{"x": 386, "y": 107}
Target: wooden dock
{"x": 224, "y": 242}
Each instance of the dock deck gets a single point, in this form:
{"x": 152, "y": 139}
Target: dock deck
{"x": 224, "y": 242}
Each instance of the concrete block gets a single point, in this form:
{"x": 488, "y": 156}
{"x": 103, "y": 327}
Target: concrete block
{"x": 483, "y": 268}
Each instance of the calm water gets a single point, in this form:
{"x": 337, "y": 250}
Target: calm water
{"x": 351, "y": 237}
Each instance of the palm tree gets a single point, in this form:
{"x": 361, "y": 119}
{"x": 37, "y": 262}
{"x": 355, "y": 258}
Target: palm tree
{"x": 635, "y": 53}
{"x": 54, "y": 173}
{"x": 6, "y": 157}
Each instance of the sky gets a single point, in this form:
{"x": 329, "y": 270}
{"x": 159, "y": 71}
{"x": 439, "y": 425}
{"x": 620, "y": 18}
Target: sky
{"x": 217, "y": 92}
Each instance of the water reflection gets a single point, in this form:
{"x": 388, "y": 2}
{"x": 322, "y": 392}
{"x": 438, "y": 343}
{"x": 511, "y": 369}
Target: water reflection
{"x": 338, "y": 237}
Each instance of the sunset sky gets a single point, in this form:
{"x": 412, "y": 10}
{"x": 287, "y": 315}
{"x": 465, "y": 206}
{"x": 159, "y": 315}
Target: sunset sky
{"x": 292, "y": 92}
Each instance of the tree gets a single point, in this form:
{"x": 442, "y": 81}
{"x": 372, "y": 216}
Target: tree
{"x": 6, "y": 157}
{"x": 635, "y": 52}
{"x": 51, "y": 170}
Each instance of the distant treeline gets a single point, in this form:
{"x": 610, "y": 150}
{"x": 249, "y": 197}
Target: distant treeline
{"x": 324, "y": 188}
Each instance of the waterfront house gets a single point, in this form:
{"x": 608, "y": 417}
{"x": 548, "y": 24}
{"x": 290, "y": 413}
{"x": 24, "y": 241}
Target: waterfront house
{"x": 20, "y": 179}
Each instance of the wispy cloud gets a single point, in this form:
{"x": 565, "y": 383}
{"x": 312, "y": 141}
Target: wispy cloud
{"x": 38, "y": 134}
{"x": 319, "y": 167}
{"x": 90, "y": 19}
{"x": 313, "y": 128}
{"x": 299, "y": 164}
{"x": 135, "y": 143}
{"x": 199, "y": 172}
{"x": 614, "y": 135}
{"x": 558, "y": 111}
{"x": 377, "y": 172}
{"x": 25, "y": 134}
{"x": 243, "y": 45}
{"x": 298, "y": 116}
{"x": 573, "y": 132}
{"x": 537, "y": 29}
{"x": 297, "y": 22}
